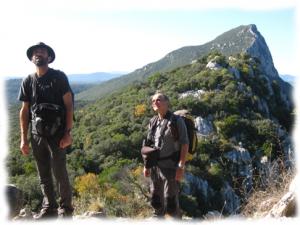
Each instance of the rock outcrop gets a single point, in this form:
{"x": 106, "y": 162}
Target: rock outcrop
{"x": 240, "y": 167}
{"x": 213, "y": 65}
{"x": 91, "y": 214}
{"x": 204, "y": 126}
{"x": 195, "y": 94}
{"x": 15, "y": 200}
{"x": 224, "y": 200}
{"x": 286, "y": 206}
{"x": 260, "y": 50}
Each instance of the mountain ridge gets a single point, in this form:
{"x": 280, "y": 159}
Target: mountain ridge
{"x": 244, "y": 38}
{"x": 96, "y": 77}
{"x": 78, "y": 82}
{"x": 291, "y": 79}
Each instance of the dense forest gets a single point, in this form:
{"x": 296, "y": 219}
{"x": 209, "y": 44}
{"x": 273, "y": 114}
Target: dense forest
{"x": 244, "y": 106}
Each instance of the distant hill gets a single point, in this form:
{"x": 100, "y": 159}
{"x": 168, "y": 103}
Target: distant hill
{"x": 289, "y": 78}
{"x": 12, "y": 87}
{"x": 79, "y": 83}
{"x": 98, "y": 77}
{"x": 246, "y": 39}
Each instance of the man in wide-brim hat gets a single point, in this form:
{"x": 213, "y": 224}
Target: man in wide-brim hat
{"x": 48, "y": 90}
{"x": 41, "y": 45}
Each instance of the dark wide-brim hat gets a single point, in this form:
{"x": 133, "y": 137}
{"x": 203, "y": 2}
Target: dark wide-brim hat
{"x": 51, "y": 52}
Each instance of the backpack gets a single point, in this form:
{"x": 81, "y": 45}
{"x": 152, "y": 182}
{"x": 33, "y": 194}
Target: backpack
{"x": 190, "y": 127}
{"x": 191, "y": 132}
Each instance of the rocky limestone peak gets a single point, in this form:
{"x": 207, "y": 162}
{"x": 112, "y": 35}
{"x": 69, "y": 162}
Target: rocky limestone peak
{"x": 260, "y": 50}
{"x": 246, "y": 39}
{"x": 242, "y": 39}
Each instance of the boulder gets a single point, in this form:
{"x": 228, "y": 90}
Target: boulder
{"x": 15, "y": 200}
{"x": 204, "y": 126}
{"x": 225, "y": 200}
{"x": 91, "y": 214}
{"x": 195, "y": 94}
{"x": 285, "y": 207}
{"x": 25, "y": 214}
{"x": 213, "y": 65}
{"x": 213, "y": 215}
{"x": 231, "y": 200}
{"x": 198, "y": 187}
{"x": 240, "y": 167}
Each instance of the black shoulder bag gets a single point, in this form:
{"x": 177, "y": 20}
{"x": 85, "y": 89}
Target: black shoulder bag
{"x": 48, "y": 119}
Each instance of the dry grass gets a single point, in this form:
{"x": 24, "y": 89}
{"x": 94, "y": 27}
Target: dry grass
{"x": 261, "y": 201}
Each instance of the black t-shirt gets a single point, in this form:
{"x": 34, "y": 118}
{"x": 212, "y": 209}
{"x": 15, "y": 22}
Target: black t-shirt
{"x": 50, "y": 88}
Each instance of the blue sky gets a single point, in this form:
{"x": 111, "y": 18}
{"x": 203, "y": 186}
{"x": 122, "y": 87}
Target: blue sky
{"x": 198, "y": 27}
{"x": 91, "y": 36}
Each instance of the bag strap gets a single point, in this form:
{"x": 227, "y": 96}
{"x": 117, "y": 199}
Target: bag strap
{"x": 172, "y": 119}
{"x": 153, "y": 124}
{"x": 34, "y": 95}
{"x": 168, "y": 118}
{"x": 162, "y": 132}
{"x": 33, "y": 87}
{"x": 174, "y": 127}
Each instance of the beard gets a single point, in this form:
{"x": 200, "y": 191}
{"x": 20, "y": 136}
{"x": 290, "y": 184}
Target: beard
{"x": 40, "y": 61}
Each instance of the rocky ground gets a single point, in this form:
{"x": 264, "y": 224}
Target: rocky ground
{"x": 283, "y": 210}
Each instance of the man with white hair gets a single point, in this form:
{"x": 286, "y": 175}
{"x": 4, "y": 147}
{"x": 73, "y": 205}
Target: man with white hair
{"x": 164, "y": 153}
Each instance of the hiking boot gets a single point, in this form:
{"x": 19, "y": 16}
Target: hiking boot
{"x": 65, "y": 213}
{"x": 46, "y": 213}
{"x": 173, "y": 217}
{"x": 158, "y": 214}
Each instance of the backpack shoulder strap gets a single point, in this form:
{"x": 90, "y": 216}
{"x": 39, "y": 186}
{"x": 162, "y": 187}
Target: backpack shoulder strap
{"x": 60, "y": 74}
{"x": 33, "y": 87}
{"x": 167, "y": 120}
{"x": 153, "y": 122}
{"x": 152, "y": 125}
{"x": 174, "y": 127}
{"x": 151, "y": 130}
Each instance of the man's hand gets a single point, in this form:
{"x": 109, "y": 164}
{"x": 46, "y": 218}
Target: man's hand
{"x": 65, "y": 141}
{"x": 24, "y": 121}
{"x": 179, "y": 174}
{"x": 146, "y": 172}
{"x": 24, "y": 147}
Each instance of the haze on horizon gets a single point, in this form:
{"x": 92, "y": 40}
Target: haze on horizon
{"x": 126, "y": 35}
